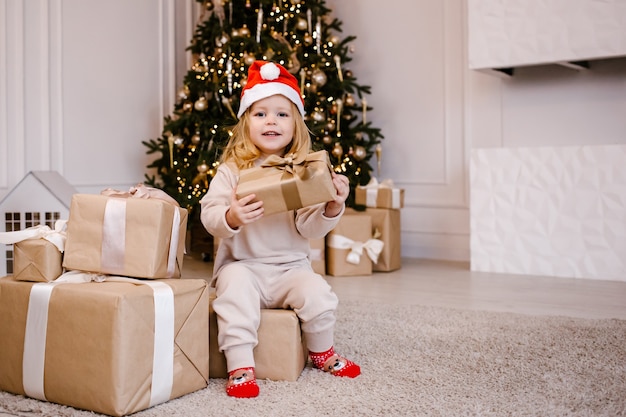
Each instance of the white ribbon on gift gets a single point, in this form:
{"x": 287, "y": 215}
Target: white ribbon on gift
{"x": 114, "y": 227}
{"x": 371, "y": 192}
{"x": 37, "y": 322}
{"x": 373, "y": 247}
{"x": 56, "y": 236}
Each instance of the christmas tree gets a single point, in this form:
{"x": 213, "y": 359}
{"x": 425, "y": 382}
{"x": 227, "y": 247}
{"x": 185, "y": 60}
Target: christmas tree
{"x": 229, "y": 37}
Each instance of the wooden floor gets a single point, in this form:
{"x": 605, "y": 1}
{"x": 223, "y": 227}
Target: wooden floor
{"x": 452, "y": 284}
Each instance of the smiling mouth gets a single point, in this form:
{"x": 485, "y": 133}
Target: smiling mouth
{"x": 272, "y": 133}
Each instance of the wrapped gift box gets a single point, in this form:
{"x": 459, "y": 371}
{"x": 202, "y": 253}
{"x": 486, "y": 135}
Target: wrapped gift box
{"x": 99, "y": 350}
{"x": 318, "y": 255}
{"x": 134, "y": 237}
{"x": 36, "y": 260}
{"x": 386, "y": 227}
{"x": 280, "y": 354}
{"x": 383, "y": 195}
{"x": 283, "y": 184}
{"x": 340, "y": 259}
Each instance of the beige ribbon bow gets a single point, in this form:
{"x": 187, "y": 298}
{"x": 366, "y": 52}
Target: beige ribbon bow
{"x": 373, "y": 248}
{"x": 56, "y": 237}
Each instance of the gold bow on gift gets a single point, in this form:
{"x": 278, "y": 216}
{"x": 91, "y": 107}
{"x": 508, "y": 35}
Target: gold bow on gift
{"x": 373, "y": 248}
{"x": 289, "y": 183}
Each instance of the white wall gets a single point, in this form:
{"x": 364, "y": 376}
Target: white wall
{"x": 83, "y": 82}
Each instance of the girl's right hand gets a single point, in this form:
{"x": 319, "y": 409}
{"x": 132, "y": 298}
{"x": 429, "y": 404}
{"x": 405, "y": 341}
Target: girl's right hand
{"x": 243, "y": 211}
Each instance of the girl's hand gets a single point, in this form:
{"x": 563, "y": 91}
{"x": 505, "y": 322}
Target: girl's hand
{"x": 243, "y": 211}
{"x": 342, "y": 185}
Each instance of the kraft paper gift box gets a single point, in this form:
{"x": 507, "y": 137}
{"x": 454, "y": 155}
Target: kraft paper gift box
{"x": 134, "y": 237}
{"x": 37, "y": 251}
{"x": 379, "y": 195}
{"x": 284, "y": 184}
{"x": 386, "y": 227}
{"x": 104, "y": 347}
{"x": 318, "y": 255}
{"x": 350, "y": 248}
{"x": 281, "y": 353}
{"x": 36, "y": 260}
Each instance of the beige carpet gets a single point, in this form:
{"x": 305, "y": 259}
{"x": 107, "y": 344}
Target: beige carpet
{"x": 427, "y": 361}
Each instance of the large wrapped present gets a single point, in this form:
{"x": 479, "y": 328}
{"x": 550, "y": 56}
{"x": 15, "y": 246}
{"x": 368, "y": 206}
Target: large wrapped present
{"x": 350, "y": 247}
{"x": 281, "y": 353}
{"x": 138, "y": 234}
{"x": 110, "y": 347}
{"x": 386, "y": 227}
{"x": 37, "y": 252}
{"x": 318, "y": 255}
{"x": 379, "y": 195}
{"x": 285, "y": 184}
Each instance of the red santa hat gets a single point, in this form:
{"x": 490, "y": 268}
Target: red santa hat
{"x": 266, "y": 79}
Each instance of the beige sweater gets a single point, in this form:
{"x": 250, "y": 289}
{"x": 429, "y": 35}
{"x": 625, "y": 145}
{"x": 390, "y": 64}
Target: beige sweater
{"x": 275, "y": 239}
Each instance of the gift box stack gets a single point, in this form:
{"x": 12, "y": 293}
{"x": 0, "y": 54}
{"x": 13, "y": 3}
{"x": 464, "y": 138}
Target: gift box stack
{"x": 368, "y": 240}
{"x": 96, "y": 316}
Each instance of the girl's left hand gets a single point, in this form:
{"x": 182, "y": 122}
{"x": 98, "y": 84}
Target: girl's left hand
{"x": 342, "y": 185}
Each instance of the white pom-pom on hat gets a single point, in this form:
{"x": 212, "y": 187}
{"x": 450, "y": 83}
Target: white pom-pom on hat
{"x": 270, "y": 71}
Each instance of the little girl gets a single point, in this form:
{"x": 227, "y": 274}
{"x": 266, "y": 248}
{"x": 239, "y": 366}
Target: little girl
{"x": 263, "y": 261}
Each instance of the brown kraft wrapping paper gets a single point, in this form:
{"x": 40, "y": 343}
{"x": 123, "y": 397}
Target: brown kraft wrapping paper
{"x": 385, "y": 225}
{"x": 284, "y": 184}
{"x": 36, "y": 260}
{"x": 281, "y": 353}
{"x": 383, "y": 195}
{"x": 358, "y": 229}
{"x": 142, "y": 245}
{"x": 100, "y": 342}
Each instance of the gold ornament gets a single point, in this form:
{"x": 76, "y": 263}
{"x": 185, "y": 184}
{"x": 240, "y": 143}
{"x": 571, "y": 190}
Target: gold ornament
{"x": 196, "y": 139}
{"x": 319, "y": 77}
{"x": 337, "y": 150}
{"x": 349, "y": 100}
{"x": 183, "y": 93}
{"x": 307, "y": 39}
{"x": 244, "y": 31}
{"x": 248, "y": 59}
{"x": 301, "y": 24}
{"x": 359, "y": 153}
{"x": 318, "y": 116}
{"x": 327, "y": 139}
{"x": 201, "y": 104}
{"x": 331, "y": 125}
{"x": 178, "y": 141}
{"x": 187, "y": 106}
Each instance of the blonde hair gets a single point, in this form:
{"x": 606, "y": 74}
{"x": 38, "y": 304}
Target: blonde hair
{"x": 243, "y": 153}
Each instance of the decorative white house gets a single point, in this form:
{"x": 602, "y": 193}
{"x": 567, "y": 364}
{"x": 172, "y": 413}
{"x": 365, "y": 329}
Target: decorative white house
{"x": 41, "y": 197}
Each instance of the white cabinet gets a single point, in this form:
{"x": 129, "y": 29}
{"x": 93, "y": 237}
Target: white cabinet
{"x": 514, "y": 33}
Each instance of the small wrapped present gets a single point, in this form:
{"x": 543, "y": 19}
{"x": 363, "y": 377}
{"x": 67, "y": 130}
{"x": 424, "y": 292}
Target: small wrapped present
{"x": 37, "y": 252}
{"x": 350, "y": 248}
{"x": 386, "y": 227}
{"x": 285, "y": 184}
{"x": 383, "y": 195}
{"x": 111, "y": 347}
{"x": 281, "y": 353}
{"x": 318, "y": 255}
{"x": 137, "y": 234}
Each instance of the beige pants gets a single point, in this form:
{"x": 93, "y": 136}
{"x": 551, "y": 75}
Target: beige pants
{"x": 243, "y": 288}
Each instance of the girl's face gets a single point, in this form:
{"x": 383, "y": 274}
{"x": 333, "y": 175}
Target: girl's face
{"x": 271, "y": 124}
